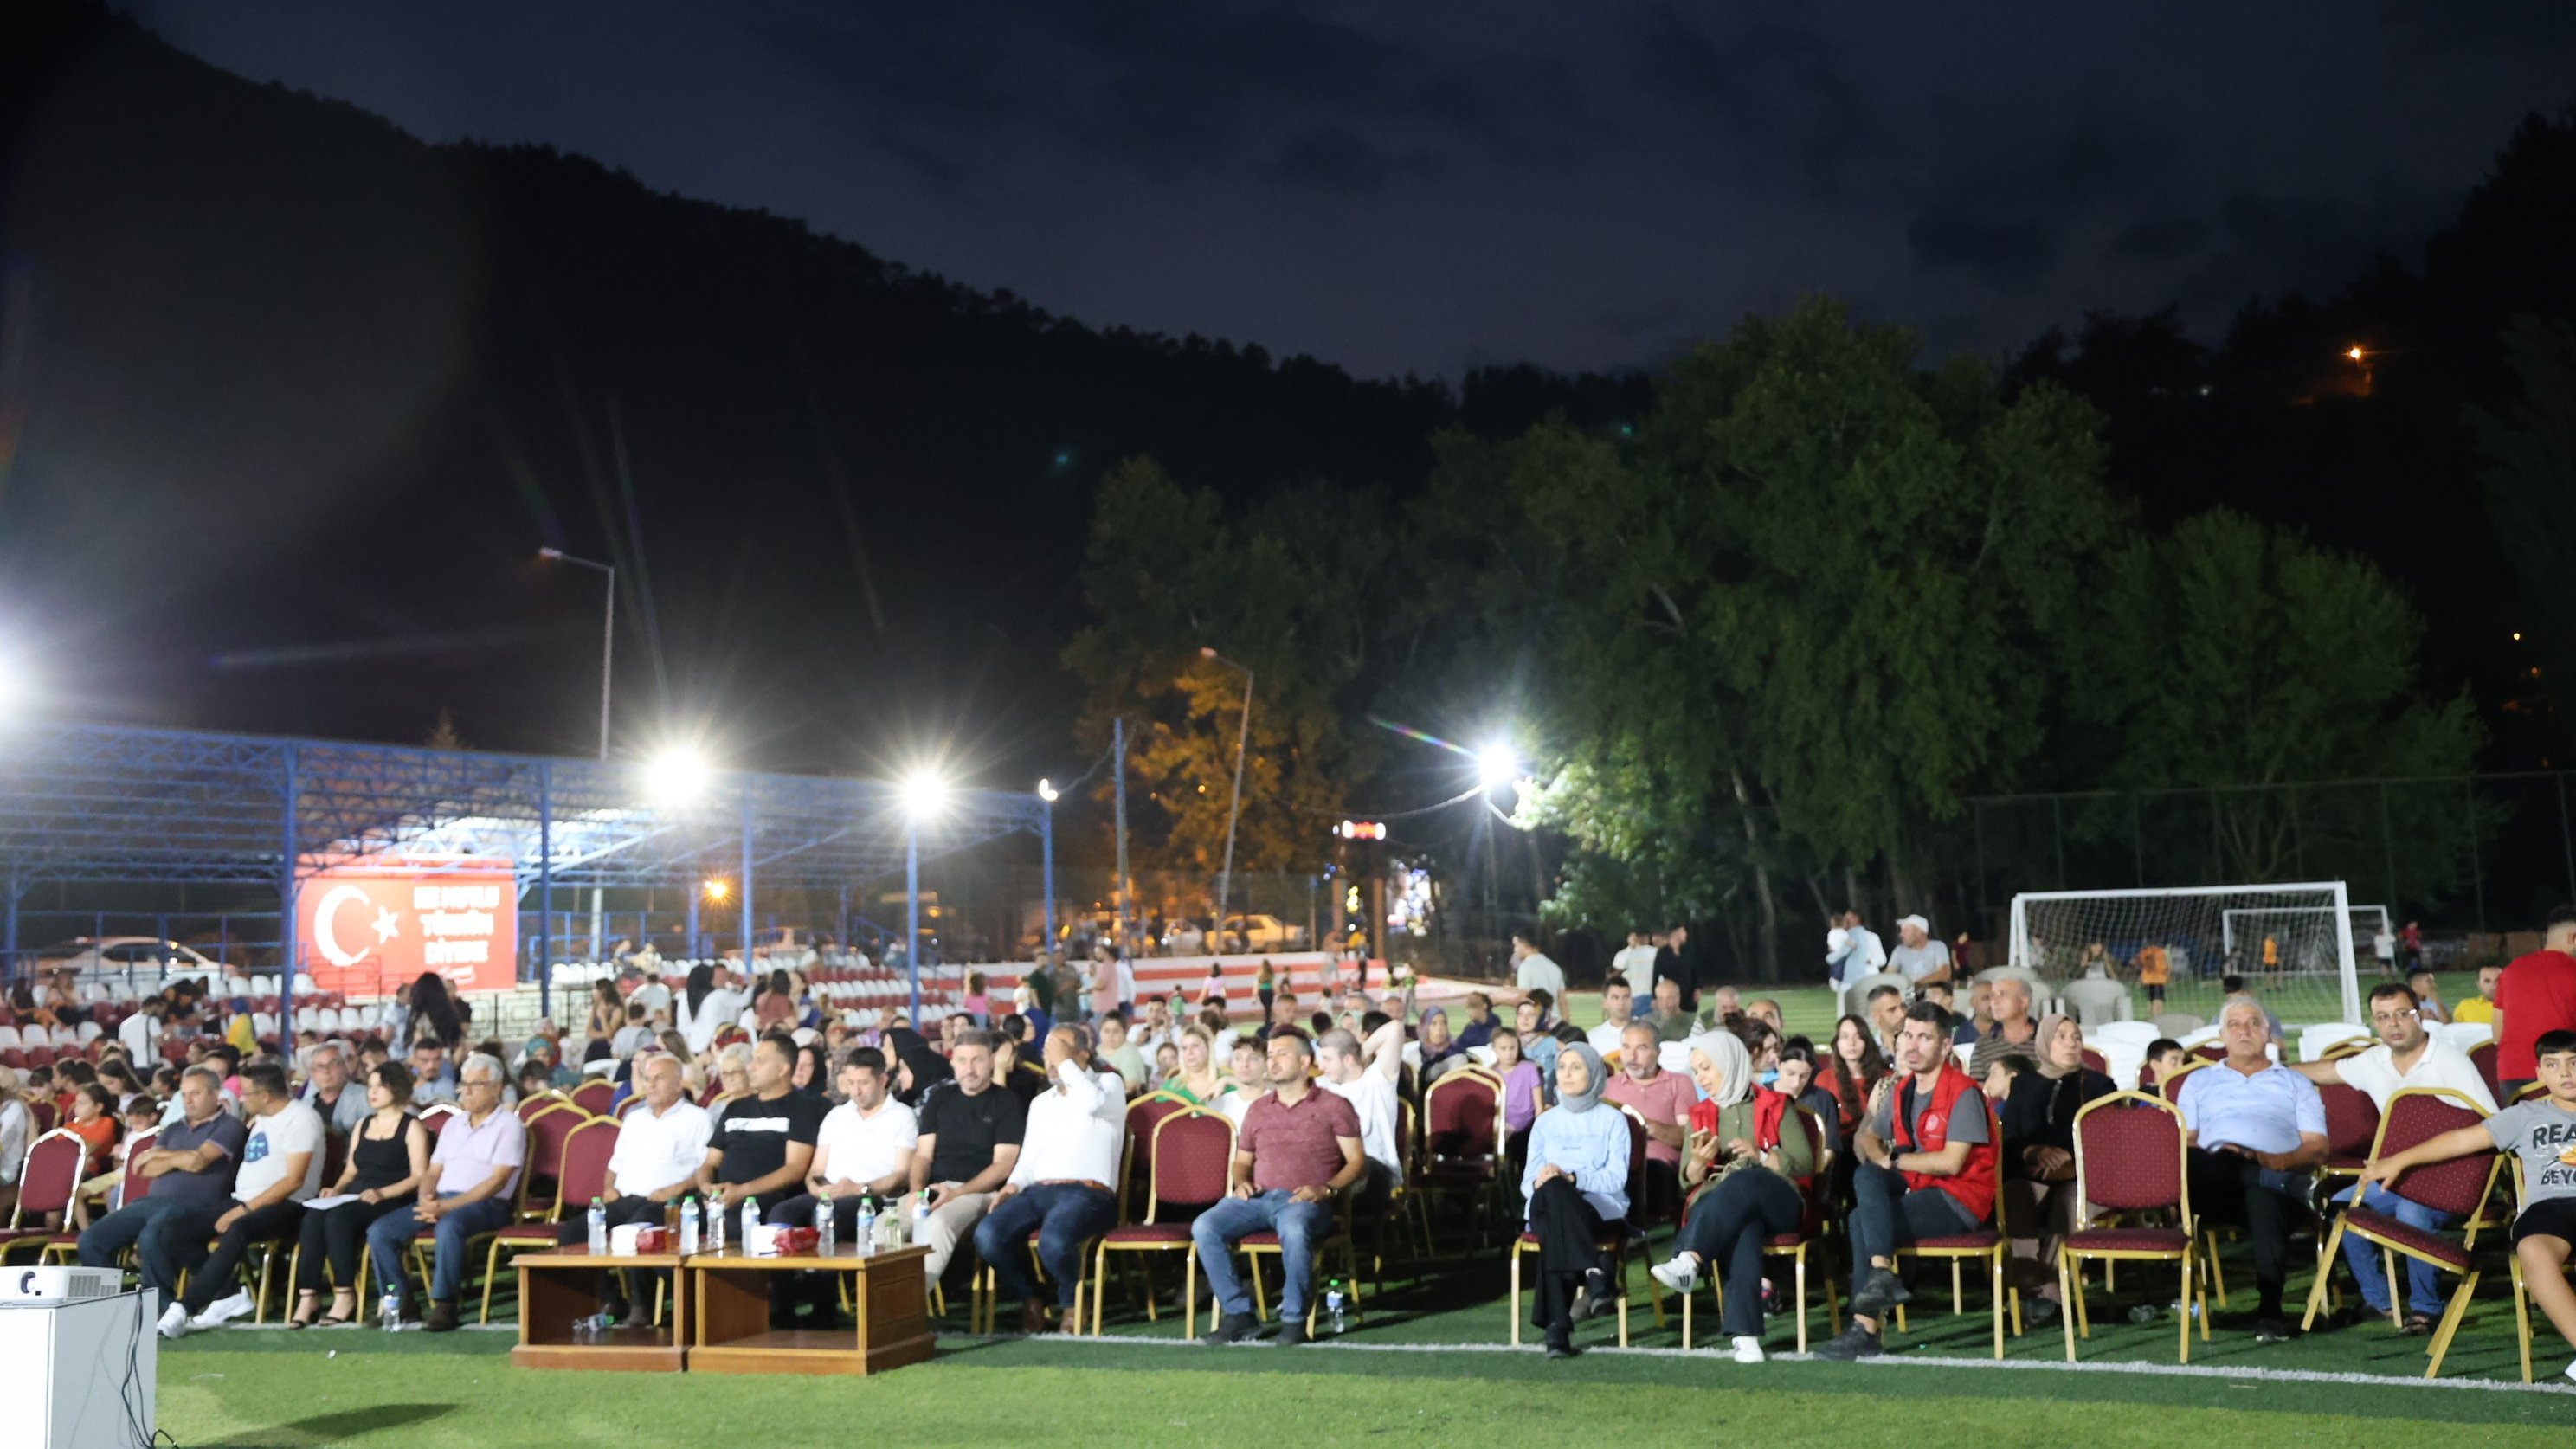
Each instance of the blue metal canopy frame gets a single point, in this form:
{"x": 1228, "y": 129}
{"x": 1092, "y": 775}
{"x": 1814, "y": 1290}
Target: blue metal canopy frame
{"x": 94, "y": 804}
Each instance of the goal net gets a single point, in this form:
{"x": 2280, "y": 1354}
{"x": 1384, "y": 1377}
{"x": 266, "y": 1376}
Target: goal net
{"x": 2294, "y": 944}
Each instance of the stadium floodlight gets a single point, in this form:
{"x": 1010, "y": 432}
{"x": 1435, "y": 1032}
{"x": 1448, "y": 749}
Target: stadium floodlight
{"x": 717, "y": 888}
{"x": 923, "y": 794}
{"x": 1048, "y": 792}
{"x": 1497, "y": 765}
{"x": 676, "y": 776}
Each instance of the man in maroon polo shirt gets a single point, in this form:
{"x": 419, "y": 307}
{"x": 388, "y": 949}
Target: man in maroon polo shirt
{"x": 1298, "y": 1147}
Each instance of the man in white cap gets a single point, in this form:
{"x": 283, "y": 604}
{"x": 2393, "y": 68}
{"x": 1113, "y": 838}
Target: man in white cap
{"x": 1920, "y": 957}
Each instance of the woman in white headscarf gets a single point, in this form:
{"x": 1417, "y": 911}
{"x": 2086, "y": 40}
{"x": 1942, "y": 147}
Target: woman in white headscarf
{"x": 1576, "y": 1183}
{"x": 1748, "y": 1157}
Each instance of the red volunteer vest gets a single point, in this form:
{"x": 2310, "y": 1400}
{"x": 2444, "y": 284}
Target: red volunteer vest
{"x": 1929, "y": 1131}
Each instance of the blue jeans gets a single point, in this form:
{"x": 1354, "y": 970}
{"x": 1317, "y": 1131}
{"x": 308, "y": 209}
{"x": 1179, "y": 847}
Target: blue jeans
{"x": 168, "y": 1236}
{"x": 1300, "y": 1226}
{"x": 1065, "y": 1215}
{"x": 390, "y": 1238}
{"x": 2423, "y": 1281}
{"x": 1886, "y": 1215}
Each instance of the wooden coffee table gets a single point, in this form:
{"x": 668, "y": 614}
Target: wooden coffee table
{"x": 730, "y": 1314}
{"x": 558, "y": 1289}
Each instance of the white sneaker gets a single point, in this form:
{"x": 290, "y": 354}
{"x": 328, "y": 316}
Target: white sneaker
{"x": 174, "y": 1321}
{"x": 1747, "y": 1350}
{"x": 2571, "y": 1370}
{"x": 223, "y": 1311}
{"x": 1680, "y": 1275}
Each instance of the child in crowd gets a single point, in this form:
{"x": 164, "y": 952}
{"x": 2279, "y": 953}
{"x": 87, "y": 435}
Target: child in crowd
{"x": 979, "y": 999}
{"x": 1521, "y": 1095}
{"x": 2165, "y": 1057}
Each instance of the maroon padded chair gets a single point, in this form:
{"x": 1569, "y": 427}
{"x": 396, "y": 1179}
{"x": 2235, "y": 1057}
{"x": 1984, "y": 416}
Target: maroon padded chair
{"x": 2352, "y": 1124}
{"x": 1617, "y": 1240}
{"x": 47, "y": 1179}
{"x": 2459, "y": 1187}
{"x": 1191, "y": 1156}
{"x": 581, "y": 1168}
{"x": 2130, "y": 1163}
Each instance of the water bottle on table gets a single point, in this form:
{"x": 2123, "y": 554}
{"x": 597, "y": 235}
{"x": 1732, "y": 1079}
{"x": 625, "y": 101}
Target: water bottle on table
{"x": 863, "y": 1228}
{"x": 598, "y": 1239}
{"x": 826, "y": 1230}
{"x": 688, "y": 1226}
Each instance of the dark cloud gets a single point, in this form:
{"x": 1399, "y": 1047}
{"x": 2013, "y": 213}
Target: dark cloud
{"x": 2008, "y": 255}
{"x": 1333, "y": 158}
{"x": 2442, "y": 26}
{"x": 2160, "y": 238}
{"x": 1779, "y": 86}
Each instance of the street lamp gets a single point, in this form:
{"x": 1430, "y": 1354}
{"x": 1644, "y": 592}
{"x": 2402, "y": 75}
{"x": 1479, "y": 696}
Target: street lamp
{"x": 1234, "y": 811}
{"x": 1497, "y": 765}
{"x": 922, "y": 793}
{"x": 676, "y": 776}
{"x": 607, "y": 632}
{"x": 1047, "y": 796}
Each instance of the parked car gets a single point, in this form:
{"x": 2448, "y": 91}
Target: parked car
{"x": 1184, "y": 938}
{"x": 137, "y": 958}
{"x": 1261, "y": 933}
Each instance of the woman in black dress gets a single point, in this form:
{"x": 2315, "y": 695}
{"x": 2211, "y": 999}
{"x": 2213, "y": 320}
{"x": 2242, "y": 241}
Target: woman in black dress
{"x": 388, "y": 1159}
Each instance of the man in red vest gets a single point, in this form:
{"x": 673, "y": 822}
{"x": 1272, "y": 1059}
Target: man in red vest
{"x": 1927, "y": 1170}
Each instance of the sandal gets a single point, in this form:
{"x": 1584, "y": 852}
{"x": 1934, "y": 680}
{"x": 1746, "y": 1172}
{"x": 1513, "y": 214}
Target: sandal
{"x": 2418, "y": 1324}
{"x": 308, "y": 1305}
{"x": 335, "y": 1318}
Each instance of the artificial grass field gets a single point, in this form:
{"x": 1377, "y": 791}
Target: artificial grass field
{"x": 1426, "y": 1363}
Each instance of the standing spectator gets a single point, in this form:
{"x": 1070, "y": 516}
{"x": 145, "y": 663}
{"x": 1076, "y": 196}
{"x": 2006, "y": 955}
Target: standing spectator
{"x": 1299, "y": 1146}
{"x": 1634, "y": 965}
{"x": 475, "y": 1178}
{"x": 1859, "y": 954}
{"x": 2256, "y": 1129}
{"x": 1927, "y": 1158}
{"x": 2155, "y": 973}
{"x": 1664, "y": 1099}
{"x": 1752, "y": 1169}
{"x": 281, "y": 1166}
{"x": 606, "y": 1011}
{"x": 435, "y": 1015}
{"x": 1576, "y": 1183}
{"x": 1674, "y": 963}
{"x": 388, "y": 1159}
{"x": 708, "y": 1005}
{"x": 1917, "y": 955}
{"x": 971, "y": 1133}
{"x": 2410, "y": 944}
{"x": 2383, "y": 945}
{"x": 634, "y": 1036}
{"x": 141, "y": 1032}
{"x": 1617, "y": 1003}
{"x": 1061, "y": 1188}
{"x": 1122, "y": 978}
{"x": 1533, "y": 971}
{"x": 2535, "y": 996}
{"x": 191, "y": 1170}
{"x": 2481, "y": 1007}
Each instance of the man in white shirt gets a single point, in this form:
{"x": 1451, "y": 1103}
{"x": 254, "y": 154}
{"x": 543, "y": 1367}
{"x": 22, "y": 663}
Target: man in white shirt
{"x": 1635, "y": 964}
{"x": 864, "y": 1148}
{"x": 1917, "y": 955}
{"x": 1618, "y": 1004}
{"x": 1123, "y": 975}
{"x": 1858, "y": 956}
{"x": 1064, "y": 1186}
{"x": 721, "y": 1007}
{"x": 659, "y": 1147}
{"x": 141, "y": 1033}
{"x": 2407, "y": 1056}
{"x": 1365, "y": 1076}
{"x": 281, "y": 1166}
{"x": 652, "y": 995}
{"x": 1533, "y": 971}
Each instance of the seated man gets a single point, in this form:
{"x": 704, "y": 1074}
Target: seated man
{"x": 2015, "y": 1030}
{"x": 472, "y": 1189}
{"x": 1298, "y": 1147}
{"x": 281, "y": 1167}
{"x": 1481, "y": 1022}
{"x": 2256, "y": 1127}
{"x": 1665, "y": 1100}
{"x": 863, "y": 1149}
{"x": 2542, "y": 1133}
{"x": 1616, "y": 1012}
{"x": 1064, "y": 1185}
{"x": 1365, "y": 1076}
{"x": 2407, "y": 1056}
{"x": 971, "y": 1131}
{"x": 432, "y": 1080}
{"x": 762, "y": 1144}
{"x": 1766, "y": 1010}
{"x": 1926, "y": 1169}
{"x": 191, "y": 1171}
{"x": 1671, "y": 1021}
{"x": 2480, "y": 1009}
{"x": 660, "y": 1147}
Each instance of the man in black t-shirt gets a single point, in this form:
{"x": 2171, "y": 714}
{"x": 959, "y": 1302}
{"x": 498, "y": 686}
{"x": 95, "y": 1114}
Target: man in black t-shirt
{"x": 764, "y": 1142}
{"x": 970, "y": 1139}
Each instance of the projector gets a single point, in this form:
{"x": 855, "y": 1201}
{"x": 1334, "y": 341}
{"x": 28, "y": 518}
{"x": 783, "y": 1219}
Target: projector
{"x": 58, "y": 1285}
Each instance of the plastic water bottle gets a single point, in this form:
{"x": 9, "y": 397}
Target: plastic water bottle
{"x": 750, "y": 1220}
{"x": 1336, "y": 1307}
{"x": 688, "y": 1226}
{"x": 826, "y": 1230}
{"x": 391, "y": 1313}
{"x": 863, "y": 1228}
{"x": 598, "y": 1228}
{"x": 715, "y": 1227}
{"x": 920, "y": 1217}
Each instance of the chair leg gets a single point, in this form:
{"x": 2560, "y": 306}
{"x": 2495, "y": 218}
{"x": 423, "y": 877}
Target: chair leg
{"x": 2521, "y": 1316}
{"x": 1802, "y": 1297}
{"x": 1619, "y": 1264}
{"x": 1687, "y": 1300}
{"x": 2388, "y": 1267}
{"x": 1190, "y": 1291}
{"x": 1260, "y": 1300}
{"x": 1100, "y": 1275}
{"x": 2070, "y": 1292}
{"x": 491, "y": 1272}
{"x": 1513, "y": 1308}
{"x": 1999, "y": 1297}
{"x": 1958, "y": 1297}
{"x": 2188, "y": 1313}
{"x": 2217, "y": 1270}
{"x": 2325, "y": 1266}
{"x": 2450, "y": 1320}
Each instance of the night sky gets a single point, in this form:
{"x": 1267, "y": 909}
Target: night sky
{"x": 1430, "y": 187}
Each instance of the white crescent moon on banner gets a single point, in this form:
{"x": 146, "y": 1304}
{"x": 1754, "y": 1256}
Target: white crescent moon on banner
{"x": 323, "y": 940}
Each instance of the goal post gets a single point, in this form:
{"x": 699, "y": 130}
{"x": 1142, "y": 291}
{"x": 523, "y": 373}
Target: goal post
{"x": 2293, "y": 942}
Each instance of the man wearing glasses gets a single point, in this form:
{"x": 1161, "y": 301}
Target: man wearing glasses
{"x": 470, "y": 1190}
{"x": 2407, "y": 1056}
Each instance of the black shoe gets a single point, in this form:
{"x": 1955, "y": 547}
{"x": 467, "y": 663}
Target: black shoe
{"x": 1233, "y": 1328}
{"x": 1878, "y": 1292}
{"x": 2273, "y": 1330}
{"x": 617, "y": 1310}
{"x": 442, "y": 1316}
{"x": 2039, "y": 1313}
{"x": 1851, "y": 1344}
{"x": 1292, "y": 1334}
{"x": 1588, "y": 1298}
{"x": 1561, "y": 1345}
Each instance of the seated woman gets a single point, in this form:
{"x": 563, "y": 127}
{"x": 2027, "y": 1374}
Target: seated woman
{"x": 1195, "y": 1080}
{"x": 1751, "y": 1159}
{"x": 1576, "y": 1182}
{"x": 1797, "y": 1082}
{"x": 388, "y": 1159}
{"x": 2037, "y": 1108}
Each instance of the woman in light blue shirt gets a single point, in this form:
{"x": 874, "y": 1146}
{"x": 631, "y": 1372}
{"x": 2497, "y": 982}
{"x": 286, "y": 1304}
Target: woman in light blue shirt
{"x": 1576, "y": 1182}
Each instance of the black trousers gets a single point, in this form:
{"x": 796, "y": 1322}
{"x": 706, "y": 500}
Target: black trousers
{"x": 223, "y": 1265}
{"x": 620, "y": 1211}
{"x": 2231, "y": 1189}
{"x": 1569, "y": 1246}
{"x": 1727, "y": 1227}
{"x": 334, "y": 1237}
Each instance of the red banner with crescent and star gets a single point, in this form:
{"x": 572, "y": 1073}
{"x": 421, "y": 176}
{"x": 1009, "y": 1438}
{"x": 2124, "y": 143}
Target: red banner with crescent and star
{"x": 368, "y": 928}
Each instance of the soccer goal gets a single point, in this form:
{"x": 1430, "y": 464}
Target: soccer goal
{"x": 2293, "y": 943}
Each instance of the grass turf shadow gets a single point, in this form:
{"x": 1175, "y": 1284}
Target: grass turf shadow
{"x": 327, "y": 1429}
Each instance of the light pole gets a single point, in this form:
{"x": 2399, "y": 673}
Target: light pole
{"x": 607, "y": 656}
{"x": 1242, "y": 738}
{"x": 1047, "y": 793}
{"x": 922, "y": 793}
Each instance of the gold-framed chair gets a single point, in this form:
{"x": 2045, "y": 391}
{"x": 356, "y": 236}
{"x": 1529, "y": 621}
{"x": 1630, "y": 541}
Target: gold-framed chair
{"x": 2459, "y": 1188}
{"x": 1811, "y": 1231}
{"x": 1191, "y": 1156}
{"x": 1617, "y": 1239}
{"x": 1987, "y": 1244}
{"x": 2123, "y": 1166}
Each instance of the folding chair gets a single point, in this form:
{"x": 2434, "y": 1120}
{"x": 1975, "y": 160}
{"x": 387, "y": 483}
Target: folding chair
{"x": 2131, "y": 1152}
{"x": 548, "y": 1130}
{"x": 594, "y": 1096}
{"x": 1189, "y": 1158}
{"x": 1462, "y": 1141}
{"x": 1616, "y": 1240}
{"x": 1793, "y": 1245}
{"x": 2459, "y": 1187}
{"x": 1988, "y": 1243}
{"x": 581, "y": 1166}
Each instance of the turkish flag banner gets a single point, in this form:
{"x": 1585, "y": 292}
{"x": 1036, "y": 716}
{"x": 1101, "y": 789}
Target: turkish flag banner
{"x": 366, "y": 929}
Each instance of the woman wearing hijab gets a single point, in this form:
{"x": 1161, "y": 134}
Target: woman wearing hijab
{"x": 917, "y": 1067}
{"x": 1746, "y": 1158}
{"x": 1576, "y": 1181}
{"x": 2037, "y": 1108}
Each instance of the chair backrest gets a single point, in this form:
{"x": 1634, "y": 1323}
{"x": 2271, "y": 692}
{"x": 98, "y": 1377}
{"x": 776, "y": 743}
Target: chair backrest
{"x": 42, "y": 1111}
{"x": 50, "y": 1174}
{"x": 435, "y": 1115}
{"x": 582, "y": 1172}
{"x": 629, "y": 1105}
{"x": 2170, "y": 1087}
{"x": 2419, "y": 1114}
{"x": 1855, "y": 993}
{"x": 2096, "y": 1061}
{"x": 134, "y": 1186}
{"x": 530, "y": 1106}
{"x": 2483, "y": 1057}
{"x": 1636, "y": 1165}
{"x": 1463, "y": 1117}
{"x": 1192, "y": 1157}
{"x": 2129, "y": 1161}
{"x": 1142, "y": 1116}
{"x": 2352, "y": 1119}
{"x": 1815, "y": 1189}
{"x": 2210, "y": 1051}
{"x": 594, "y": 1096}
{"x": 547, "y": 1132}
